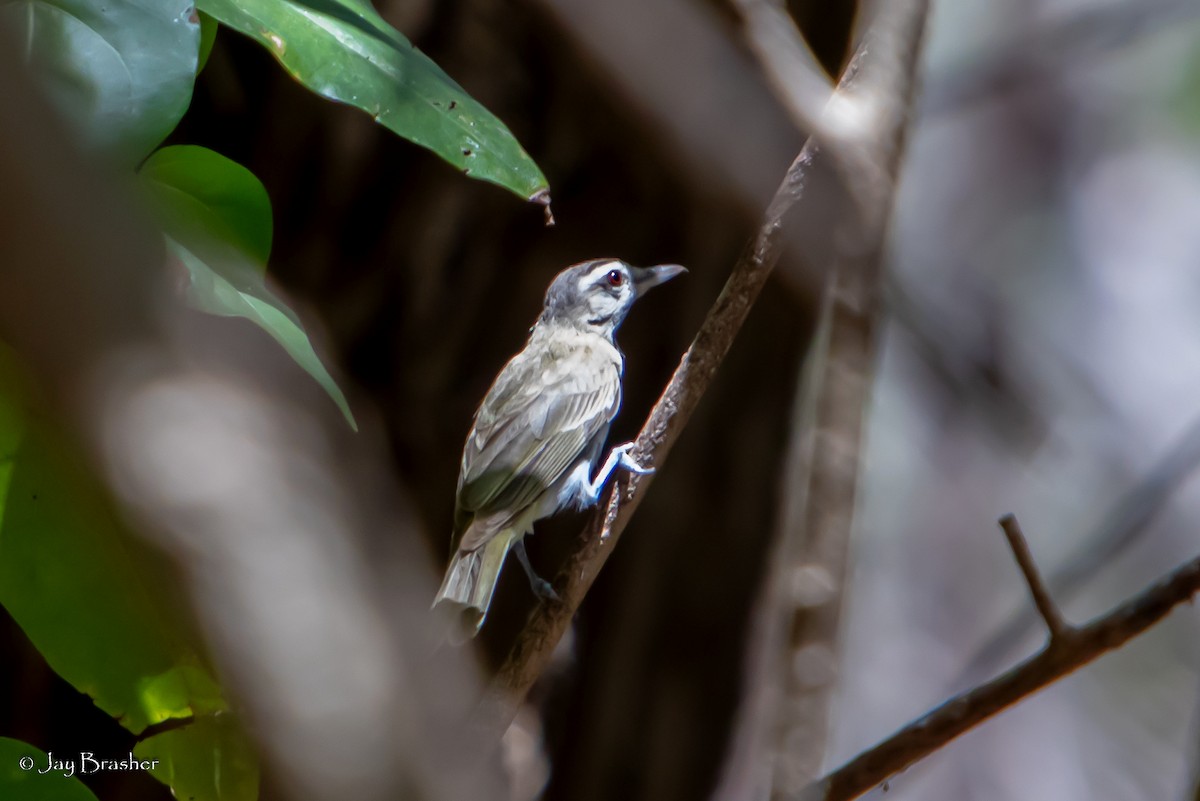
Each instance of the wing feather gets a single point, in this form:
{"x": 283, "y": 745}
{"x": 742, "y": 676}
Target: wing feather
{"x": 537, "y": 420}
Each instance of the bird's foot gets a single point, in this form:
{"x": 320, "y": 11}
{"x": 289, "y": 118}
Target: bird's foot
{"x": 541, "y": 588}
{"x": 628, "y": 462}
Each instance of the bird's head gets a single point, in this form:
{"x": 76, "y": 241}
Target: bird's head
{"x": 596, "y": 295}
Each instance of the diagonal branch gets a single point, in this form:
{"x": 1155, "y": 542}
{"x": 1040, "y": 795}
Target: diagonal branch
{"x": 1061, "y": 656}
{"x": 1121, "y": 526}
{"x": 798, "y": 80}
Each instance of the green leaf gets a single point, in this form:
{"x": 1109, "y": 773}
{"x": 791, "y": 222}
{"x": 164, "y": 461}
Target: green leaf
{"x": 210, "y": 759}
{"x": 90, "y": 598}
{"x": 120, "y": 70}
{"x": 217, "y": 217}
{"x": 345, "y": 51}
{"x": 200, "y": 194}
{"x": 208, "y": 36}
{"x": 28, "y": 784}
{"x": 100, "y": 607}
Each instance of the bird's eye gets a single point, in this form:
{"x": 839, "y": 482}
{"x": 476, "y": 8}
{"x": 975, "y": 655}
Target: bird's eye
{"x": 615, "y": 278}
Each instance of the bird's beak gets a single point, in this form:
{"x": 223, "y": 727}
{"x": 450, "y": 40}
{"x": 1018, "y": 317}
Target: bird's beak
{"x": 646, "y": 278}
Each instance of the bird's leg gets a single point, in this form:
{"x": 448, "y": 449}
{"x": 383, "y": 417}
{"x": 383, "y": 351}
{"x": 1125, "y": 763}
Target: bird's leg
{"x": 589, "y": 491}
{"x": 541, "y": 588}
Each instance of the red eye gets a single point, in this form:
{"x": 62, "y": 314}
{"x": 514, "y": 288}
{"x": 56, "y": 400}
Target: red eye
{"x": 615, "y": 278}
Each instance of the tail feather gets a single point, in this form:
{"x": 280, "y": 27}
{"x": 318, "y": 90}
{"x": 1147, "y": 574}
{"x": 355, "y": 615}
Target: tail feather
{"x": 469, "y": 584}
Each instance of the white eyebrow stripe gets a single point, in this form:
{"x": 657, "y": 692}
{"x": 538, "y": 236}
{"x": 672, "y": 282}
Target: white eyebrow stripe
{"x": 604, "y": 267}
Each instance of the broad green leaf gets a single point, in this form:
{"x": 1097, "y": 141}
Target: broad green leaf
{"x": 199, "y": 193}
{"x": 244, "y": 294}
{"x": 22, "y": 776}
{"x": 120, "y": 70}
{"x": 217, "y": 217}
{"x": 88, "y": 596}
{"x": 210, "y": 759}
{"x": 345, "y": 51}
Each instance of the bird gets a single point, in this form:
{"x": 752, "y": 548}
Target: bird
{"x": 536, "y": 439}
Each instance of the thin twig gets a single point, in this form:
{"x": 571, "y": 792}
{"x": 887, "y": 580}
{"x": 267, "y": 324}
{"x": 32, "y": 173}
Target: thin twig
{"x": 1033, "y": 578}
{"x": 1121, "y": 526}
{"x": 963, "y": 712}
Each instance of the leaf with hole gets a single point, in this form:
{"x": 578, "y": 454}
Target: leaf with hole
{"x": 345, "y": 51}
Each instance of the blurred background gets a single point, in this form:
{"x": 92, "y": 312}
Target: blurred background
{"x": 1041, "y": 357}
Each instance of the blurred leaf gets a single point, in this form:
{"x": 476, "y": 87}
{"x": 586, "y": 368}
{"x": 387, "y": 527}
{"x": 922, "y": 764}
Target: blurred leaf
{"x": 200, "y": 194}
{"x": 208, "y": 36}
{"x": 89, "y": 597}
{"x": 19, "y": 783}
{"x": 343, "y": 50}
{"x": 218, "y": 220}
{"x": 210, "y": 759}
{"x": 120, "y": 70}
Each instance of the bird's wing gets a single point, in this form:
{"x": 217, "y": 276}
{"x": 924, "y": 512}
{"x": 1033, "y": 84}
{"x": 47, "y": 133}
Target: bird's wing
{"x": 536, "y": 421}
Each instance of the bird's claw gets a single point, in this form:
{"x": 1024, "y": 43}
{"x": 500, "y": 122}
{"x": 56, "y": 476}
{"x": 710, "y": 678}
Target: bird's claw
{"x": 544, "y": 590}
{"x": 631, "y": 464}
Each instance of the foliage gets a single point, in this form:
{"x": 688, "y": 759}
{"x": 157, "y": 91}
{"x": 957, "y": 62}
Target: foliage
{"x": 20, "y": 776}
{"x": 343, "y": 50}
{"x": 217, "y": 218}
{"x": 101, "y": 608}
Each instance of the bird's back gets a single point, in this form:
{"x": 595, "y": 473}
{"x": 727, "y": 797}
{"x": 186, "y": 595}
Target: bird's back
{"x": 541, "y": 415}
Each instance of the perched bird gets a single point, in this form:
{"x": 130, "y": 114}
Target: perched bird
{"x": 540, "y": 430}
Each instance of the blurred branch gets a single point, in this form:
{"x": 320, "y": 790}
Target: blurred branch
{"x": 975, "y": 375}
{"x": 226, "y": 459}
{"x": 1070, "y": 650}
{"x": 729, "y": 142}
{"x": 798, "y": 80}
{"x": 1121, "y": 526}
{"x": 793, "y": 668}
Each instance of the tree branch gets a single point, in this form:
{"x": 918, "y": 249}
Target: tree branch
{"x": 1121, "y": 526}
{"x": 1062, "y": 655}
{"x": 798, "y": 80}
{"x": 809, "y": 564}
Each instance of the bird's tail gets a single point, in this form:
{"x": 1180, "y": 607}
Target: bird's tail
{"x": 469, "y": 584}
